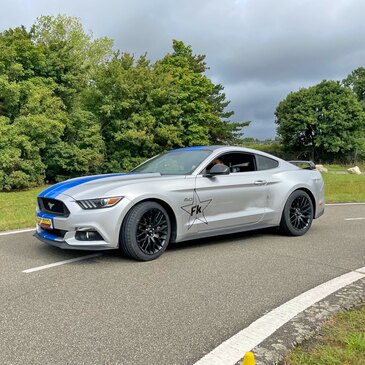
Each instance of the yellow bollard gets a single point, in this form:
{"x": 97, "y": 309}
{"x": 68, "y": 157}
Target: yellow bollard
{"x": 249, "y": 359}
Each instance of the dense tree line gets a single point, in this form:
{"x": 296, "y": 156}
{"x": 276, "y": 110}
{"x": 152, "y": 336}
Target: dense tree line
{"x": 71, "y": 106}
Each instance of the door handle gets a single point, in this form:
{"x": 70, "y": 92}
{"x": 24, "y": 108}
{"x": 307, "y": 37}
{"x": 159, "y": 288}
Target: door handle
{"x": 260, "y": 182}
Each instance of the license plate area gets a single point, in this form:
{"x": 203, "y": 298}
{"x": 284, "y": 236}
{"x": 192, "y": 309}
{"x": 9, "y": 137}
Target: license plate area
{"x": 45, "y": 222}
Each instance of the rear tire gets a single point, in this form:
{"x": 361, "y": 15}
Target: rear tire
{"x": 145, "y": 232}
{"x": 297, "y": 215}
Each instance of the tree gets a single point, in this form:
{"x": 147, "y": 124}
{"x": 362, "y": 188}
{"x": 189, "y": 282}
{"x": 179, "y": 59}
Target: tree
{"x": 200, "y": 105}
{"x": 356, "y": 81}
{"x": 119, "y": 98}
{"x": 72, "y": 58}
{"x": 71, "y": 54}
{"x": 20, "y": 58}
{"x": 147, "y": 108}
{"x": 323, "y": 122}
{"x": 43, "y": 73}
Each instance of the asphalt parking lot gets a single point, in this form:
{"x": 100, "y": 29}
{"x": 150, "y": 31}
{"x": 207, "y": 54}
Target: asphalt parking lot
{"x": 111, "y": 310}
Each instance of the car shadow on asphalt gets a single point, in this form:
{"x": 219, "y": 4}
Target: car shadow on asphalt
{"x": 217, "y": 240}
{"x": 201, "y": 242}
{"x": 54, "y": 252}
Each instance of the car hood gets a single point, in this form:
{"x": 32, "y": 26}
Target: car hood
{"x": 97, "y": 186}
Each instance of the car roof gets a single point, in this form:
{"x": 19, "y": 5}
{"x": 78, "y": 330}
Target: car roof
{"x": 222, "y": 148}
{"x": 196, "y": 148}
{"x": 218, "y": 149}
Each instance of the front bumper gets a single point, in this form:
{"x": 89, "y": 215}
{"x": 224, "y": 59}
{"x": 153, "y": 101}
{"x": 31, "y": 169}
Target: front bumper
{"x": 64, "y": 245}
{"x": 106, "y": 222}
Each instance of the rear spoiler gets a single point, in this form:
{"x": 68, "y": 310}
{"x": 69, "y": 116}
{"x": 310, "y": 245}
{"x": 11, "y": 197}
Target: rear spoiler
{"x": 307, "y": 165}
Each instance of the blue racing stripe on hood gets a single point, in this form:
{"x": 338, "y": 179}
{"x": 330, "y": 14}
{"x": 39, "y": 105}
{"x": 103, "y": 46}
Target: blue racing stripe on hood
{"x": 193, "y": 148}
{"x": 55, "y": 190}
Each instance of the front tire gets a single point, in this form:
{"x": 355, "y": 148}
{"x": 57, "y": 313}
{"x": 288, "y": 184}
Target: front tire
{"x": 145, "y": 232}
{"x": 297, "y": 215}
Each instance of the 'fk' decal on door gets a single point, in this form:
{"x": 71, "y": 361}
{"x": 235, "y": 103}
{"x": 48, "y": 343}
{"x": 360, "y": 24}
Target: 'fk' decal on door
{"x": 196, "y": 210}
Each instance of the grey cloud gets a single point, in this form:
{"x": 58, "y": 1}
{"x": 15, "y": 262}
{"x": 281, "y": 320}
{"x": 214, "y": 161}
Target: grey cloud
{"x": 257, "y": 102}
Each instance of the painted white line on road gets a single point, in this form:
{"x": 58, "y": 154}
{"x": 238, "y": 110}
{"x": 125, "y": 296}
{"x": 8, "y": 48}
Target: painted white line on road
{"x": 28, "y": 271}
{"x": 339, "y": 204}
{"x": 17, "y": 231}
{"x": 354, "y": 219}
{"x": 232, "y": 350}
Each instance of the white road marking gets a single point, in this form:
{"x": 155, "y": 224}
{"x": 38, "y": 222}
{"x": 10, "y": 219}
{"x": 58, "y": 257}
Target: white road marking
{"x": 17, "y": 231}
{"x": 354, "y": 219}
{"x": 339, "y": 204}
{"x": 232, "y": 350}
{"x": 28, "y": 271}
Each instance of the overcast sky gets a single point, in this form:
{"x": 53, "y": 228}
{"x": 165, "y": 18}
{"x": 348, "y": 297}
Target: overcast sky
{"x": 258, "y": 50}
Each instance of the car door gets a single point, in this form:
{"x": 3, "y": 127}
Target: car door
{"x": 232, "y": 200}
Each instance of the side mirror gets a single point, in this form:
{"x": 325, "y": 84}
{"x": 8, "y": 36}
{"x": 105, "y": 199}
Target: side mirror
{"x": 218, "y": 169}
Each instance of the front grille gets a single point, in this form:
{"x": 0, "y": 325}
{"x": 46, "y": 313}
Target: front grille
{"x": 53, "y": 206}
{"x": 56, "y": 232}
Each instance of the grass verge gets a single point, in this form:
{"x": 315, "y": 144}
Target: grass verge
{"x": 17, "y": 209}
{"x": 344, "y": 188}
{"x": 341, "y": 341}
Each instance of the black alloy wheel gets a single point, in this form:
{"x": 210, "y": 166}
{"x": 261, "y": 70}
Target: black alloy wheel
{"x": 301, "y": 212}
{"x": 297, "y": 216}
{"x": 145, "y": 232}
{"x": 152, "y": 231}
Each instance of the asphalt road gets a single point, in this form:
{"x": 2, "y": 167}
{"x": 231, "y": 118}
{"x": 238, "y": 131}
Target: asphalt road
{"x": 111, "y": 310}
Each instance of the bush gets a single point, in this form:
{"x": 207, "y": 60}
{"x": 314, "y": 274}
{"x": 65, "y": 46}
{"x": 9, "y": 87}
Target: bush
{"x": 20, "y": 163}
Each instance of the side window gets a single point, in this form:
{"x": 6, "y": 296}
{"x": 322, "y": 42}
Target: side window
{"x": 237, "y": 162}
{"x": 266, "y": 163}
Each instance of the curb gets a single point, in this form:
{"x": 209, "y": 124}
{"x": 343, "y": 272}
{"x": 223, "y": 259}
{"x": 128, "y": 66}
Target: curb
{"x": 307, "y": 323}
{"x": 343, "y": 204}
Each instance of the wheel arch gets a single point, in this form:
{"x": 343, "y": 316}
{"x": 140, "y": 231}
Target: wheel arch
{"x": 168, "y": 209}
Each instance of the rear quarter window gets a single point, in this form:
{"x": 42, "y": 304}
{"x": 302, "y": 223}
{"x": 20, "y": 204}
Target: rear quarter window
{"x": 266, "y": 163}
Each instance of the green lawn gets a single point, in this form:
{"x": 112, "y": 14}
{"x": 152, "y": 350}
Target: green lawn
{"x": 344, "y": 188}
{"x": 17, "y": 209}
{"x": 341, "y": 341}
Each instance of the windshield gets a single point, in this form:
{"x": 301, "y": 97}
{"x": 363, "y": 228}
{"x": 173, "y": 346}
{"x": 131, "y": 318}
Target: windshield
{"x": 174, "y": 163}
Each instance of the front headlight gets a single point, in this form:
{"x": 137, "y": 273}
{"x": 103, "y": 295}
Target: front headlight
{"x": 99, "y": 203}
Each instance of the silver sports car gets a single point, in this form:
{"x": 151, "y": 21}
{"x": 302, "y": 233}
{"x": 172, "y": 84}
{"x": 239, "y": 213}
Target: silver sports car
{"x": 180, "y": 195}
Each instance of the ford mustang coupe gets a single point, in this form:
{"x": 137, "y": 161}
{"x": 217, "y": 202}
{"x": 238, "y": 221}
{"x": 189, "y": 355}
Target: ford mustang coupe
{"x": 180, "y": 195}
